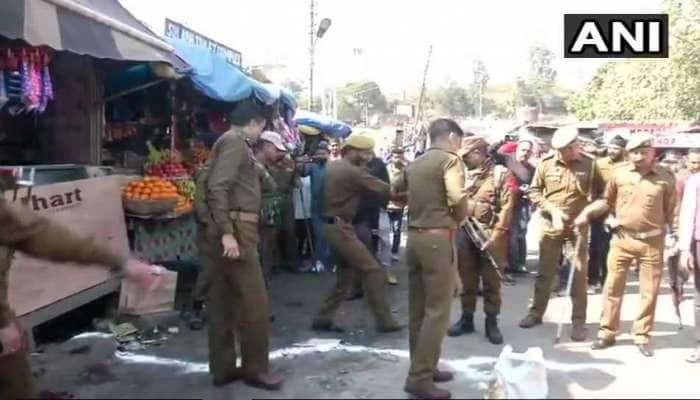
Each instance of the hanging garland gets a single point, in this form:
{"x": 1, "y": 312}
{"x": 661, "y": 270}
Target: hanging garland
{"x": 25, "y": 80}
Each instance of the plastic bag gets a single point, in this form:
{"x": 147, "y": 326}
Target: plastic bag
{"x": 519, "y": 375}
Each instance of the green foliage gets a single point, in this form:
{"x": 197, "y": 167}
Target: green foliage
{"x": 538, "y": 88}
{"x": 357, "y": 97}
{"x": 650, "y": 89}
{"x": 454, "y": 100}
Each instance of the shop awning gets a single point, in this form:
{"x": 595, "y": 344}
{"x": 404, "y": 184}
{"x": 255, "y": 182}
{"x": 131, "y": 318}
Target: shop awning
{"x": 97, "y": 28}
{"x": 220, "y": 80}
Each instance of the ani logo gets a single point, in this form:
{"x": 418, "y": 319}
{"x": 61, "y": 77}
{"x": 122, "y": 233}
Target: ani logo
{"x": 616, "y": 35}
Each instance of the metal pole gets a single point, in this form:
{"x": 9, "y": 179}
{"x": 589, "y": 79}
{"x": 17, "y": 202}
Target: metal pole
{"x": 335, "y": 103}
{"x": 312, "y": 44}
{"x": 422, "y": 92}
{"x": 481, "y": 97}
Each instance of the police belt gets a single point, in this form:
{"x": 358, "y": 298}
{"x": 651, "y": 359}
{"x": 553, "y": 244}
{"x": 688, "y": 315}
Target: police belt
{"x": 445, "y": 232}
{"x": 244, "y": 216}
{"x": 622, "y": 231}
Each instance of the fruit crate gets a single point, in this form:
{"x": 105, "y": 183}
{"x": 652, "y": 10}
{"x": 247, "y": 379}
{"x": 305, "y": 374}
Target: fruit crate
{"x": 164, "y": 239}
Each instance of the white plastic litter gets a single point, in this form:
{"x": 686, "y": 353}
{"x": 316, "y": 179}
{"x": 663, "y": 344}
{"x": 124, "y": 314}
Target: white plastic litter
{"x": 519, "y": 375}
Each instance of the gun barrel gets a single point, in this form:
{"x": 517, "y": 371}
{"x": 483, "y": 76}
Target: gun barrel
{"x": 477, "y": 236}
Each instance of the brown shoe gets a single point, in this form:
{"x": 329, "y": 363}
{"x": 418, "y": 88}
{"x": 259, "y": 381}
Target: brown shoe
{"x": 265, "y": 381}
{"x": 427, "y": 392}
{"x": 601, "y": 344}
{"x": 530, "y": 321}
{"x": 442, "y": 376}
{"x": 579, "y": 333}
{"x": 237, "y": 374}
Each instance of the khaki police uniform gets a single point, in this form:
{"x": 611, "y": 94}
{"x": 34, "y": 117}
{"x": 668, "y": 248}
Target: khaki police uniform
{"x": 39, "y": 237}
{"x": 345, "y": 184}
{"x": 285, "y": 235}
{"x": 237, "y": 295}
{"x": 270, "y": 222}
{"x": 473, "y": 265}
{"x": 204, "y": 249}
{"x": 599, "y": 234}
{"x": 437, "y": 203}
{"x": 607, "y": 167}
{"x": 565, "y": 186}
{"x": 644, "y": 206}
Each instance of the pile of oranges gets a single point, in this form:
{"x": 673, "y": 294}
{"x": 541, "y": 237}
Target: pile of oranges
{"x": 151, "y": 188}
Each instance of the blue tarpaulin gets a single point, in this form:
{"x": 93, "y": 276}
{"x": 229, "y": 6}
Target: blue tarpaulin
{"x": 327, "y": 125}
{"x": 288, "y": 99}
{"x": 220, "y": 80}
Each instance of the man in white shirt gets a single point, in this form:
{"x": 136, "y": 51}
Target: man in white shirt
{"x": 689, "y": 246}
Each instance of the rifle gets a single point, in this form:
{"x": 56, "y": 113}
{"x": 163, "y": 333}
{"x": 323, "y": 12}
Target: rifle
{"x": 480, "y": 239}
{"x": 676, "y": 281}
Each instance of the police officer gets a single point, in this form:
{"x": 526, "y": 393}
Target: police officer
{"x": 237, "y": 296}
{"x": 642, "y": 196}
{"x": 347, "y": 180}
{"x": 438, "y": 202}
{"x": 270, "y": 151}
{"x": 285, "y": 239}
{"x": 485, "y": 184}
{"x": 564, "y": 181}
{"x": 600, "y": 233}
{"x": 205, "y": 251}
{"x": 40, "y": 237}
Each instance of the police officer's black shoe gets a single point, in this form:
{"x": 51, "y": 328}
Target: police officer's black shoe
{"x": 355, "y": 296}
{"x": 464, "y": 326}
{"x": 492, "y": 332}
{"x": 197, "y": 321}
{"x": 324, "y": 325}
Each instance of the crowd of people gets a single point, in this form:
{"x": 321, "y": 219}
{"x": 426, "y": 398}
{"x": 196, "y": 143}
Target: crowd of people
{"x": 464, "y": 206}
{"x": 603, "y": 209}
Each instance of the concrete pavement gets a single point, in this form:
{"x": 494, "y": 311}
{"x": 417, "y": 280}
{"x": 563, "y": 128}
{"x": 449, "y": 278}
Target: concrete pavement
{"x": 364, "y": 364}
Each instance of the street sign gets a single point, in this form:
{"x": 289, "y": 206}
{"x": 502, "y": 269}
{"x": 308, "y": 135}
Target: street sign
{"x": 177, "y": 30}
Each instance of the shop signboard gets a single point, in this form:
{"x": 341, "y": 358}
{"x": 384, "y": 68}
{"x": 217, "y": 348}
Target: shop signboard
{"x": 677, "y": 140}
{"x": 89, "y": 206}
{"x": 177, "y": 30}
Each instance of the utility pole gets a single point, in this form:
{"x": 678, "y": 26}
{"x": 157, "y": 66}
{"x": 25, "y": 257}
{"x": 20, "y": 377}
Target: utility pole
{"x": 422, "y": 93}
{"x": 312, "y": 45}
{"x": 481, "y": 97}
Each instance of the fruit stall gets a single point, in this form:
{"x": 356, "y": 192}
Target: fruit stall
{"x": 161, "y": 135}
{"x": 158, "y": 209}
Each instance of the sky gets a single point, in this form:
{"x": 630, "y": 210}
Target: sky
{"x": 394, "y": 36}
